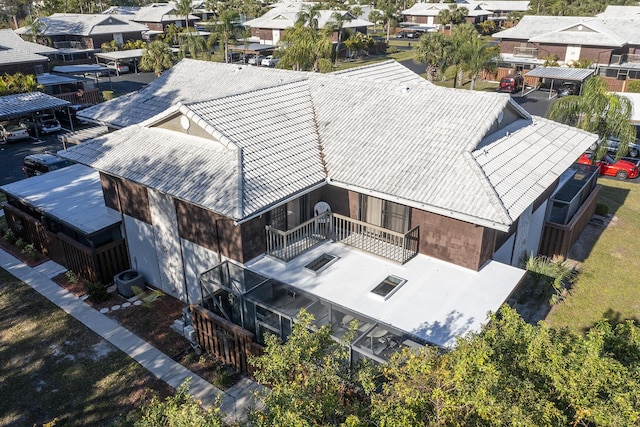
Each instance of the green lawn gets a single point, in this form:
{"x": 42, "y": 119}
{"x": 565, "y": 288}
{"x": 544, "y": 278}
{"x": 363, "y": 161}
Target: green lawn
{"x": 609, "y": 282}
{"x": 54, "y": 368}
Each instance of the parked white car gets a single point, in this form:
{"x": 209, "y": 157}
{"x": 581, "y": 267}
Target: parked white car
{"x": 269, "y": 61}
{"x": 10, "y": 132}
{"x": 44, "y": 124}
{"x": 117, "y": 67}
{"x": 255, "y": 60}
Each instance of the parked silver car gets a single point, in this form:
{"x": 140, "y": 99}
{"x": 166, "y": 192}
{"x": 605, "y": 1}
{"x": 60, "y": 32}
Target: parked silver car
{"x": 269, "y": 61}
{"x": 45, "y": 124}
{"x": 11, "y": 131}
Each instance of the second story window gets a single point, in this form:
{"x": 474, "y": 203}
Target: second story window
{"x": 385, "y": 214}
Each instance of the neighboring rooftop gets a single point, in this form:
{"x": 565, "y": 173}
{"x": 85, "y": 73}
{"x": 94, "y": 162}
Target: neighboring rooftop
{"x": 25, "y": 103}
{"x": 78, "y": 202}
{"x": 85, "y": 24}
{"x": 285, "y": 15}
{"x": 10, "y": 40}
{"x": 159, "y": 12}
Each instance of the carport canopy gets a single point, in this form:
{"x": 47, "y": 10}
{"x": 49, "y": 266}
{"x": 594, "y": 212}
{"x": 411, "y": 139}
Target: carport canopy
{"x": 120, "y": 56}
{"x": 561, "y": 73}
{"x": 22, "y": 104}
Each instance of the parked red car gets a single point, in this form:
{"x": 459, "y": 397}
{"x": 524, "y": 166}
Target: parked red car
{"x": 511, "y": 83}
{"x": 621, "y": 169}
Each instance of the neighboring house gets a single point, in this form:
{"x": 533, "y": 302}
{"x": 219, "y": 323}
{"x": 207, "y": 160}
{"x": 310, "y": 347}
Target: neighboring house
{"x": 158, "y": 16}
{"x": 19, "y": 56}
{"x": 368, "y": 194}
{"x": 268, "y": 28}
{"x": 78, "y": 36}
{"x": 610, "y": 42}
{"x": 426, "y": 14}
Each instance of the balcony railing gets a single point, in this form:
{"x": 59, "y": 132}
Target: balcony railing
{"x": 398, "y": 247}
{"x": 529, "y": 52}
{"x": 625, "y": 58}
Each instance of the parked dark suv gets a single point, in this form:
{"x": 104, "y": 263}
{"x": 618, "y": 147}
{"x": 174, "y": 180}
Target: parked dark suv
{"x": 37, "y": 164}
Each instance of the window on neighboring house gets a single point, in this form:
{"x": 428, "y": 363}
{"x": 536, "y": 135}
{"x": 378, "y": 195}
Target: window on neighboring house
{"x": 385, "y": 214}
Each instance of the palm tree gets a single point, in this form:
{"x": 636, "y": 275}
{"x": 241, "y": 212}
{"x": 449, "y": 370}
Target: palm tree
{"x": 598, "y": 111}
{"x": 309, "y": 15}
{"x": 434, "y": 49}
{"x": 302, "y": 48}
{"x": 388, "y": 8}
{"x": 184, "y": 8}
{"x": 478, "y": 56}
{"x": 171, "y": 34}
{"x": 453, "y": 15}
{"x": 337, "y": 24}
{"x": 157, "y": 57}
{"x": 226, "y": 29}
{"x": 375, "y": 16}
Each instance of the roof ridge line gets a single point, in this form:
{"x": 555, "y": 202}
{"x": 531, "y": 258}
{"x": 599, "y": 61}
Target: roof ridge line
{"x": 207, "y": 127}
{"x": 486, "y": 185}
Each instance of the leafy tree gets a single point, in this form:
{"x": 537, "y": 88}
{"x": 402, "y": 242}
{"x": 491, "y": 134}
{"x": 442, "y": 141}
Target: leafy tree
{"x": 359, "y": 43}
{"x": 487, "y": 27}
{"x": 19, "y": 83}
{"x": 226, "y": 30}
{"x": 513, "y": 373}
{"x": 435, "y": 49}
{"x": 302, "y": 48}
{"x": 355, "y": 10}
{"x": 311, "y": 380}
{"x": 193, "y": 46}
{"x": 181, "y": 409}
{"x": 599, "y": 111}
{"x": 110, "y": 46}
{"x": 389, "y": 10}
{"x": 581, "y": 63}
{"x": 551, "y": 60}
{"x": 171, "y": 34}
{"x": 474, "y": 54}
{"x": 134, "y": 44}
{"x": 157, "y": 57}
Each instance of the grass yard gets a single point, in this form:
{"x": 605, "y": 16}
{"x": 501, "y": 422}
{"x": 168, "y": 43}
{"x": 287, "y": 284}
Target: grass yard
{"x": 609, "y": 282}
{"x": 55, "y": 370}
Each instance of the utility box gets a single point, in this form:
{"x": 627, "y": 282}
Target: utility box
{"x": 127, "y": 280}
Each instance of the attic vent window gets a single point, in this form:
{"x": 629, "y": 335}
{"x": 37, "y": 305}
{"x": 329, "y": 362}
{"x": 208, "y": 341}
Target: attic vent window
{"x": 388, "y": 286}
{"x": 320, "y": 263}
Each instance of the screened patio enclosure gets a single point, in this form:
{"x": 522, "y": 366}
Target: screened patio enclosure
{"x": 266, "y": 306}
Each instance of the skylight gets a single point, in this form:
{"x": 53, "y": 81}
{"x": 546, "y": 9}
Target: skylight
{"x": 388, "y": 286}
{"x": 320, "y": 263}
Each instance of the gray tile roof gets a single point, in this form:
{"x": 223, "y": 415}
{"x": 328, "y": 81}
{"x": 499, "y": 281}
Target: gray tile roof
{"x": 15, "y": 56}
{"x": 285, "y": 15}
{"x": 24, "y": 103}
{"x": 88, "y": 24}
{"x": 418, "y": 144}
{"x": 533, "y": 25}
{"x": 10, "y": 40}
{"x": 619, "y": 12}
{"x": 190, "y": 81}
{"x": 604, "y": 31}
{"x": 434, "y": 9}
{"x": 158, "y": 12}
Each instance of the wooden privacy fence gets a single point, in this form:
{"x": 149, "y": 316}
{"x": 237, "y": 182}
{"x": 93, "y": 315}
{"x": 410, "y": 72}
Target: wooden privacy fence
{"x": 88, "y": 96}
{"x": 230, "y": 343}
{"x": 95, "y": 265}
{"x": 557, "y": 239}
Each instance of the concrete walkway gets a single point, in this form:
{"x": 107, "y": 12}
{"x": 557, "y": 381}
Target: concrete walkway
{"x": 235, "y": 402}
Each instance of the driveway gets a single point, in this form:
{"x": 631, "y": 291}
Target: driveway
{"x": 12, "y": 155}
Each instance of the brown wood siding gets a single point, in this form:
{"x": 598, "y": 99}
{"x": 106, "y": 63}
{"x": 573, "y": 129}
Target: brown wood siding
{"x": 596, "y": 54}
{"x": 154, "y": 26}
{"x": 209, "y": 230}
{"x": 109, "y": 191}
{"x": 451, "y": 240}
{"x": 134, "y": 200}
{"x": 507, "y": 46}
{"x": 254, "y": 238}
{"x": 25, "y": 67}
{"x": 338, "y": 199}
{"x": 546, "y": 50}
{"x": 557, "y": 239}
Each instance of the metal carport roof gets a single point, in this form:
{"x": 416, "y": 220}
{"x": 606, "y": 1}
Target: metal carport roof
{"x": 561, "y": 73}
{"x": 121, "y": 55}
{"x": 25, "y": 103}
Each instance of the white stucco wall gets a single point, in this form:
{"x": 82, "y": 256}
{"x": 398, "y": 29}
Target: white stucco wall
{"x": 196, "y": 261}
{"x": 536, "y": 224}
{"x": 142, "y": 251}
{"x": 503, "y": 254}
{"x": 167, "y": 244}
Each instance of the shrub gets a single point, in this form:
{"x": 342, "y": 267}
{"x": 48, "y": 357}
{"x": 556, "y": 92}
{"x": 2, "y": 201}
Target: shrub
{"x": 30, "y": 251}
{"x": 10, "y": 236}
{"x": 20, "y": 243}
{"x": 97, "y": 292}
{"x": 71, "y": 277}
{"x": 602, "y": 209}
{"x": 634, "y": 87}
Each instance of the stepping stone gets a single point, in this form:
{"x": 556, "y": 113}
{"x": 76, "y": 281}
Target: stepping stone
{"x": 126, "y": 304}
{"x": 104, "y": 310}
{"x": 138, "y": 302}
{"x": 115, "y": 307}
